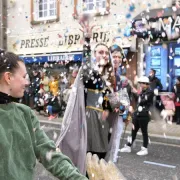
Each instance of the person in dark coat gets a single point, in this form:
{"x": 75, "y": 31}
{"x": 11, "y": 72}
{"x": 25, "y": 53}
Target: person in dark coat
{"x": 155, "y": 83}
{"x": 141, "y": 116}
{"x": 177, "y": 99}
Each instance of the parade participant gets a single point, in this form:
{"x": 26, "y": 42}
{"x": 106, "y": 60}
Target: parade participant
{"x": 116, "y": 117}
{"x": 117, "y": 56}
{"x": 88, "y": 132}
{"x": 141, "y": 116}
{"x": 22, "y": 140}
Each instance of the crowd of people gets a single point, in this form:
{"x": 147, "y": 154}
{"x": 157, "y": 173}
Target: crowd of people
{"x": 48, "y": 91}
{"x": 98, "y": 98}
{"x": 166, "y": 102}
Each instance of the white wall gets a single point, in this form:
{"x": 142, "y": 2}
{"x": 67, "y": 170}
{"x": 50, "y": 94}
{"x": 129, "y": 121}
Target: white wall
{"x": 20, "y": 27}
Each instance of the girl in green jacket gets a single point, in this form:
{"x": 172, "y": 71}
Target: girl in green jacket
{"x": 22, "y": 141}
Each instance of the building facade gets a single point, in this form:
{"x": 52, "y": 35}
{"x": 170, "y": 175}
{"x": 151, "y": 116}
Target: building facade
{"x": 48, "y": 31}
{"x": 160, "y": 47}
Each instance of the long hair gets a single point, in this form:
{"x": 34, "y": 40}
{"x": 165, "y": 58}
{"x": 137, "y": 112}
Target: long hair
{"x": 108, "y": 68}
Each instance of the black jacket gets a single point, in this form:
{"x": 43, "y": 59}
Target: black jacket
{"x": 54, "y": 102}
{"x": 145, "y": 100}
{"x": 176, "y": 90}
{"x": 155, "y": 83}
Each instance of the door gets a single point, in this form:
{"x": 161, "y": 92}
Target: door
{"x": 156, "y": 57}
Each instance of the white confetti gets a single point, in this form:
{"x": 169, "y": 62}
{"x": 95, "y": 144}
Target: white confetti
{"x": 156, "y": 92}
{"x": 49, "y": 156}
{"x": 54, "y": 135}
{"x": 100, "y": 100}
{"x": 140, "y": 108}
{"x": 165, "y": 135}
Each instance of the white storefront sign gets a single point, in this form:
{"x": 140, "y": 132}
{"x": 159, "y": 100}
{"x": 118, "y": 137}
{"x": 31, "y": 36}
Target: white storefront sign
{"x": 49, "y": 42}
{"x": 166, "y": 24}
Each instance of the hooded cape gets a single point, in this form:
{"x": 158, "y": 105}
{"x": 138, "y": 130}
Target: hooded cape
{"x": 73, "y": 136}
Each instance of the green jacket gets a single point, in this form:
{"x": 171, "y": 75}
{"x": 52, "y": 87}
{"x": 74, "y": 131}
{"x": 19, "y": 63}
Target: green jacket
{"x": 22, "y": 141}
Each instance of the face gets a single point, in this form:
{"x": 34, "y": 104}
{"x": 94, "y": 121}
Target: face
{"x": 102, "y": 55}
{"x": 177, "y": 81}
{"x": 18, "y": 81}
{"x": 151, "y": 73}
{"x": 117, "y": 59}
{"x": 35, "y": 73}
{"x": 144, "y": 86}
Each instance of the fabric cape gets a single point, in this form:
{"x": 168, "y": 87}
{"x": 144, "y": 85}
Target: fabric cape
{"x": 73, "y": 136}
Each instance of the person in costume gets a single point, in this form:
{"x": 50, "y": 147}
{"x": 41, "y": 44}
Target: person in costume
{"x": 120, "y": 114}
{"x": 22, "y": 140}
{"x": 85, "y": 128}
{"x": 141, "y": 116}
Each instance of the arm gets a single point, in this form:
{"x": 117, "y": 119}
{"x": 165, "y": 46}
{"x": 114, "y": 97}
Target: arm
{"x": 87, "y": 33}
{"x": 45, "y": 81}
{"x": 173, "y": 106}
{"x": 163, "y": 98}
{"x": 55, "y": 162}
{"x": 159, "y": 85}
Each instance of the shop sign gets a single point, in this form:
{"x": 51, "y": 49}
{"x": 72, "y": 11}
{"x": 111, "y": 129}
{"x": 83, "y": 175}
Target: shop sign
{"x": 52, "y": 58}
{"x": 168, "y": 25}
{"x": 60, "y": 42}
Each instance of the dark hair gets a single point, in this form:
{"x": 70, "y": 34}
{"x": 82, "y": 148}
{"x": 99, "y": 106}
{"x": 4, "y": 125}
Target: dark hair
{"x": 108, "y": 68}
{"x": 100, "y": 44}
{"x": 116, "y": 48}
{"x": 154, "y": 71}
{"x": 178, "y": 78}
{"x": 8, "y": 62}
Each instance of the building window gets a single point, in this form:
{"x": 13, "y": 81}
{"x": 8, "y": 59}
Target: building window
{"x": 100, "y": 7}
{"x": 44, "y": 10}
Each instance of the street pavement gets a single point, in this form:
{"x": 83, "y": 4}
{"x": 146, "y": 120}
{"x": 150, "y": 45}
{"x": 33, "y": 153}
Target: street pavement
{"x": 163, "y": 163}
{"x": 164, "y": 149}
{"x": 165, "y": 159}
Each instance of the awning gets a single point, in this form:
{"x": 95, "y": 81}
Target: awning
{"x": 157, "y": 23}
{"x": 155, "y": 14}
{"x": 52, "y": 58}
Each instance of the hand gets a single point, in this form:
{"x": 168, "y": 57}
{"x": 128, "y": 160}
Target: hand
{"x": 105, "y": 114}
{"x": 86, "y": 29}
{"x": 93, "y": 168}
{"x": 116, "y": 110}
{"x": 131, "y": 110}
{"x": 134, "y": 90}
